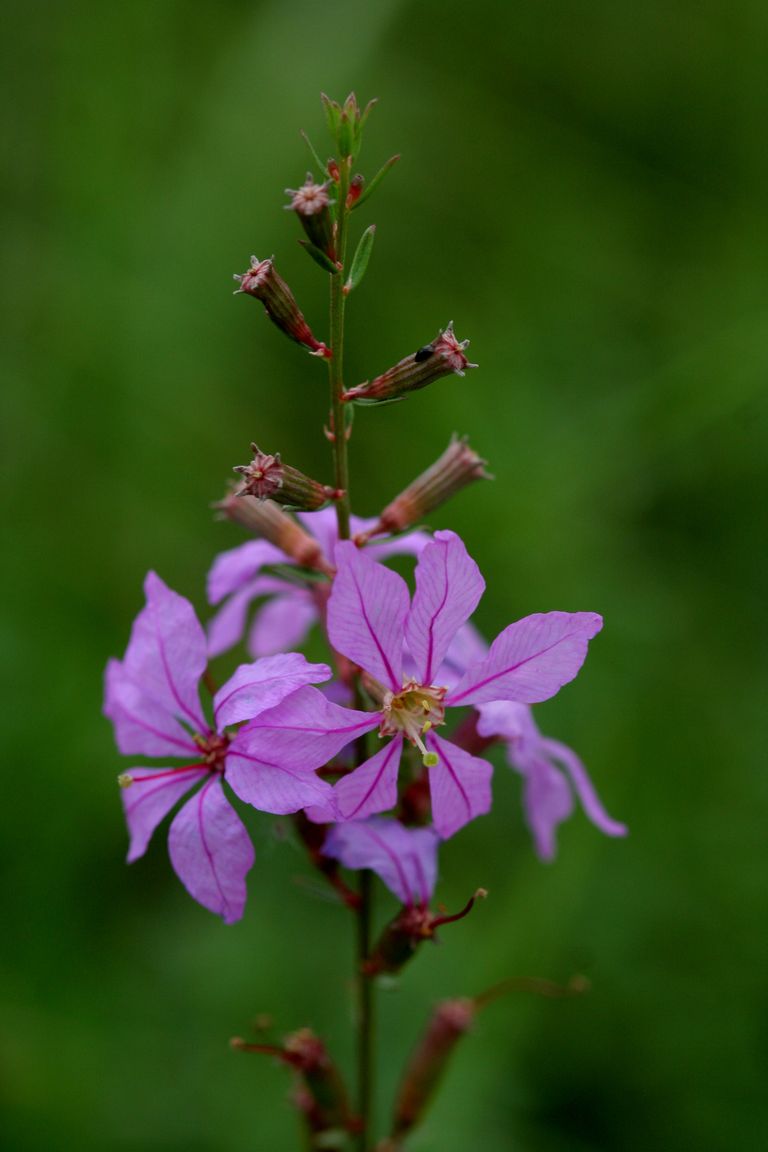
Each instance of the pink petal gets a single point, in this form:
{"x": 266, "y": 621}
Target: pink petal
{"x": 227, "y": 627}
{"x": 150, "y": 797}
{"x": 211, "y": 851}
{"x": 460, "y": 786}
{"x": 273, "y": 786}
{"x": 468, "y": 647}
{"x": 142, "y": 726}
{"x": 367, "y": 610}
{"x": 547, "y": 801}
{"x": 303, "y": 732}
{"x": 282, "y": 623}
{"x": 585, "y": 789}
{"x": 373, "y": 786}
{"x": 530, "y": 660}
{"x": 448, "y": 589}
{"x": 254, "y": 688}
{"x": 167, "y": 652}
{"x": 231, "y": 570}
{"x": 409, "y": 544}
{"x": 505, "y": 719}
{"x": 324, "y": 527}
{"x": 404, "y": 858}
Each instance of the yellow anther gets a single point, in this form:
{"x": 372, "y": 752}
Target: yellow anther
{"x": 430, "y": 759}
{"x": 125, "y": 780}
{"x": 426, "y": 726}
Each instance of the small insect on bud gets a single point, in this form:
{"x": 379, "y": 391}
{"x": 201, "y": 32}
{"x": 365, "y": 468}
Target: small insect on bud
{"x": 440, "y": 358}
{"x": 262, "y": 281}
{"x": 265, "y": 519}
{"x": 266, "y": 477}
{"x": 312, "y": 205}
{"x": 458, "y": 466}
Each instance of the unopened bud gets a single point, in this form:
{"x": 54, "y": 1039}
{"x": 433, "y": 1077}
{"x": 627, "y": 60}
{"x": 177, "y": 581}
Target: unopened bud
{"x": 266, "y": 477}
{"x": 440, "y": 358}
{"x": 262, "y": 281}
{"x": 450, "y": 1021}
{"x": 458, "y": 466}
{"x": 312, "y": 205}
{"x": 264, "y": 518}
{"x": 355, "y": 190}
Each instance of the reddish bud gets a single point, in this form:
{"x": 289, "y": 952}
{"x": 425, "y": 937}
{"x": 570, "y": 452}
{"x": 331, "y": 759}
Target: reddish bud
{"x": 458, "y": 466}
{"x": 440, "y": 358}
{"x": 266, "y": 477}
{"x": 262, "y": 281}
{"x": 355, "y": 190}
{"x": 450, "y": 1021}
{"x": 264, "y": 518}
{"x": 311, "y": 204}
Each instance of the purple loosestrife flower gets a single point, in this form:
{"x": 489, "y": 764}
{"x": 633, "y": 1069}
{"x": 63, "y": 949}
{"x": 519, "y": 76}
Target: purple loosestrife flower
{"x": 551, "y": 773}
{"x": 236, "y": 579}
{"x": 152, "y": 698}
{"x": 370, "y": 620}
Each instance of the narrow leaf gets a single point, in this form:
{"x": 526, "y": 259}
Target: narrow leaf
{"x": 319, "y": 257}
{"x": 370, "y": 188}
{"x": 361, "y": 258}
{"x": 332, "y": 114}
{"x": 313, "y": 151}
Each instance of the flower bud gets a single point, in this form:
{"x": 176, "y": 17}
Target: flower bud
{"x": 458, "y": 466}
{"x": 444, "y": 355}
{"x": 264, "y": 518}
{"x": 321, "y": 1096}
{"x": 262, "y": 281}
{"x": 266, "y": 477}
{"x": 311, "y": 204}
{"x": 450, "y": 1021}
{"x": 410, "y": 928}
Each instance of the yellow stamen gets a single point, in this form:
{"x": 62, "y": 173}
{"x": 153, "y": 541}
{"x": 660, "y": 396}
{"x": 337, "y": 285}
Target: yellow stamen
{"x": 125, "y": 780}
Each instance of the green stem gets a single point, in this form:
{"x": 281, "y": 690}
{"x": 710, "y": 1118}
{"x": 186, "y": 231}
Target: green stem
{"x": 336, "y": 363}
{"x": 365, "y": 1017}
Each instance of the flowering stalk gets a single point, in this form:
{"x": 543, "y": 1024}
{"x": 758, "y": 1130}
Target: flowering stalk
{"x": 408, "y": 662}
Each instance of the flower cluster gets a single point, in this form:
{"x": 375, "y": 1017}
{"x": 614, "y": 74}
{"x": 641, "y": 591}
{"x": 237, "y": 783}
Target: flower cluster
{"x": 272, "y": 731}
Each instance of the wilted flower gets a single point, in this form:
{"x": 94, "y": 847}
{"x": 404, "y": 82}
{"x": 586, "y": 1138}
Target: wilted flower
{"x": 267, "y": 477}
{"x": 440, "y": 358}
{"x": 152, "y": 698}
{"x": 262, "y": 281}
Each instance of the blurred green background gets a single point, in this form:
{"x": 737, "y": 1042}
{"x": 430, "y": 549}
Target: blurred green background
{"x": 583, "y": 190}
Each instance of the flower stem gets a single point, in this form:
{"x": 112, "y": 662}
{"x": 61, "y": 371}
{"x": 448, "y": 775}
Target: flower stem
{"x": 366, "y": 1019}
{"x": 336, "y": 362}
{"x": 339, "y": 446}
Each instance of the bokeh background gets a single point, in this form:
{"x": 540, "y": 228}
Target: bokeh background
{"x": 583, "y": 190}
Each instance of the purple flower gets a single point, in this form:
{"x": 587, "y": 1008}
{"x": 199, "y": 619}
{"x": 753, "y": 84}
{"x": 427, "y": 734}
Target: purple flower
{"x": 370, "y": 621}
{"x": 236, "y": 579}
{"x": 152, "y": 698}
{"x": 405, "y": 859}
{"x": 551, "y": 772}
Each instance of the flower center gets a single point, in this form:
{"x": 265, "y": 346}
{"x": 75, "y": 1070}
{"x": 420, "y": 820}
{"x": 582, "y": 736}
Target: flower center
{"x": 213, "y": 750}
{"x": 413, "y": 711}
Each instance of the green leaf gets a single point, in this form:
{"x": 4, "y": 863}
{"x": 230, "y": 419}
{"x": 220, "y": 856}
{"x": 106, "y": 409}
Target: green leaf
{"x": 361, "y": 258}
{"x": 313, "y": 152}
{"x": 370, "y": 188}
{"x": 332, "y": 114}
{"x": 346, "y": 136}
{"x": 319, "y": 257}
{"x": 294, "y": 574}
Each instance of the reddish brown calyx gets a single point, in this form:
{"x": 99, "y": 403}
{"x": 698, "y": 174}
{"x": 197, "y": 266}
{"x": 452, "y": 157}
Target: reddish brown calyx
{"x": 403, "y": 936}
{"x": 268, "y": 478}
